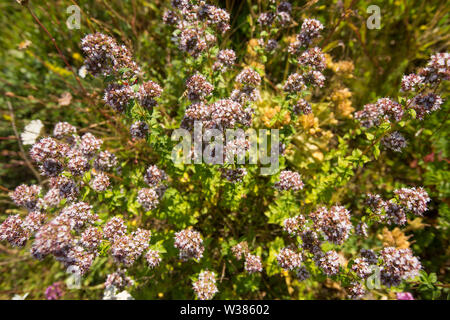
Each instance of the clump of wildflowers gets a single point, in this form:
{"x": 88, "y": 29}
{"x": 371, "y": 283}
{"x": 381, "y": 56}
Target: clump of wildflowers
{"x": 334, "y": 223}
{"x": 225, "y": 59}
{"x": 118, "y": 96}
{"x": 253, "y": 263}
{"x": 114, "y": 228}
{"x": 147, "y": 94}
{"x": 240, "y": 250}
{"x": 356, "y": 291}
{"x": 26, "y": 196}
{"x": 118, "y": 279}
{"x": 198, "y": 88}
{"x": 205, "y": 287}
{"x": 139, "y": 130}
{"x": 153, "y": 258}
{"x": 148, "y": 198}
{"x": 329, "y": 263}
{"x": 12, "y": 230}
{"x": 294, "y": 226}
{"x": 154, "y": 176}
{"x": 361, "y": 267}
{"x": 288, "y": 259}
{"x": 413, "y": 199}
{"x": 394, "y": 141}
{"x": 103, "y": 56}
{"x": 100, "y": 182}
{"x": 398, "y": 265}
{"x": 303, "y": 274}
{"x": 302, "y": 107}
{"x": 289, "y": 180}
{"x": 190, "y": 244}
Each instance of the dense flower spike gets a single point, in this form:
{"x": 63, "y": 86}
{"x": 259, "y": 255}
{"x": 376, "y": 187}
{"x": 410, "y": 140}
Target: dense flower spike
{"x": 413, "y": 199}
{"x": 411, "y": 82}
{"x": 384, "y": 109}
{"x": 190, "y": 244}
{"x": 54, "y": 238}
{"x": 313, "y": 58}
{"x": 225, "y": 58}
{"x": 100, "y": 182}
{"x": 395, "y": 214}
{"x": 91, "y": 239}
{"x": 394, "y": 141}
{"x": 147, "y": 93}
{"x": 370, "y": 116}
{"x": 288, "y": 259}
{"x": 78, "y": 215}
{"x": 302, "y": 107}
{"x": 438, "y": 68}
{"x": 249, "y": 77}
{"x": 329, "y": 263}
{"x": 118, "y": 279}
{"x": 294, "y": 83}
{"x": 334, "y": 223}
{"x": 362, "y": 268}
{"x": 198, "y": 88}
{"x": 192, "y": 40}
{"x": 205, "y": 287}
{"x": 90, "y": 144}
{"x": 63, "y": 129}
{"x": 118, "y": 96}
{"x": 227, "y": 113}
{"x": 153, "y": 258}
{"x": 26, "y": 196}
{"x": 390, "y": 108}
{"x": 294, "y": 226}
{"x": 12, "y": 230}
{"x": 356, "y": 291}
{"x": 240, "y": 250}
{"x": 114, "y": 228}
{"x": 103, "y": 56}
{"x": 154, "y": 176}
{"x": 78, "y": 164}
{"x": 139, "y": 130}
{"x": 253, "y": 263}
{"x": 398, "y": 265}
{"x": 148, "y": 198}
{"x": 289, "y": 180}
{"x": 126, "y": 249}
{"x": 315, "y": 78}
{"x": 424, "y": 104}
{"x": 310, "y": 29}
{"x": 33, "y": 221}
{"x": 44, "y": 149}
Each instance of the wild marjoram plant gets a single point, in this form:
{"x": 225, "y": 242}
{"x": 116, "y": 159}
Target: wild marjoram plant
{"x": 61, "y": 222}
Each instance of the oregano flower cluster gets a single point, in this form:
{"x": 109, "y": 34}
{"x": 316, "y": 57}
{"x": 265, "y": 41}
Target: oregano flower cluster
{"x": 145, "y": 216}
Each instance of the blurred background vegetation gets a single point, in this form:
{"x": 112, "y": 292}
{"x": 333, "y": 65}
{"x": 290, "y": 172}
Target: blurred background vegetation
{"x": 363, "y": 65}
